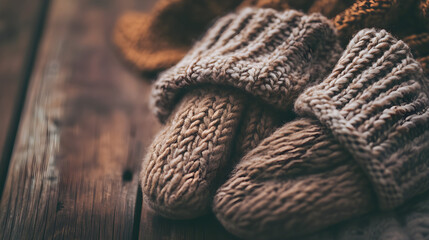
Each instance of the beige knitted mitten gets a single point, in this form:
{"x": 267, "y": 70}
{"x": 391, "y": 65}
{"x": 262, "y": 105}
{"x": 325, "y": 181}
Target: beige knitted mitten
{"x": 254, "y": 56}
{"x": 366, "y": 137}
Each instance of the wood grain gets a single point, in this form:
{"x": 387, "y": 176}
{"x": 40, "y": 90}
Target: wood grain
{"x": 20, "y": 30}
{"x": 83, "y": 132}
{"x": 85, "y": 125}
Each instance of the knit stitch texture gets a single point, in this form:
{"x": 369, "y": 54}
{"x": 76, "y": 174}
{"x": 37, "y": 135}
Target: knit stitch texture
{"x": 181, "y": 168}
{"x": 216, "y": 121}
{"x": 366, "y": 131}
{"x": 296, "y": 181}
{"x": 374, "y": 104}
{"x": 155, "y": 41}
{"x": 270, "y": 55}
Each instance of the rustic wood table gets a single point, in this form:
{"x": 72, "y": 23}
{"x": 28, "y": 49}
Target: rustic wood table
{"x": 74, "y": 127}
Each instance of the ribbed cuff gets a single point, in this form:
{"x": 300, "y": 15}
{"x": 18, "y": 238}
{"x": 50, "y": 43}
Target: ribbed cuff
{"x": 375, "y": 105}
{"x": 268, "y": 54}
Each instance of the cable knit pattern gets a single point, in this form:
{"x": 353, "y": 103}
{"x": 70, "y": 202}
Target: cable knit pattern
{"x": 374, "y": 104}
{"x": 191, "y": 156}
{"x": 370, "y": 132}
{"x": 184, "y": 160}
{"x": 259, "y": 122}
{"x": 251, "y": 45}
{"x": 268, "y": 54}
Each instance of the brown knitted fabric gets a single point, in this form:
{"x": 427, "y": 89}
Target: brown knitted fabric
{"x": 151, "y": 42}
{"x": 419, "y": 45}
{"x": 330, "y": 8}
{"x": 158, "y": 40}
{"x": 302, "y": 5}
{"x": 374, "y": 105}
{"x": 155, "y": 41}
{"x": 407, "y": 19}
{"x": 401, "y": 17}
{"x": 258, "y": 122}
{"x": 274, "y": 4}
{"x": 298, "y": 180}
{"x": 268, "y": 54}
{"x": 424, "y": 11}
{"x": 184, "y": 159}
{"x": 190, "y": 156}
{"x": 371, "y": 135}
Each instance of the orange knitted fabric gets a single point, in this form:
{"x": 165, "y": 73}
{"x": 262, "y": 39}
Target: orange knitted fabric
{"x": 407, "y": 19}
{"x": 150, "y": 42}
{"x": 155, "y": 41}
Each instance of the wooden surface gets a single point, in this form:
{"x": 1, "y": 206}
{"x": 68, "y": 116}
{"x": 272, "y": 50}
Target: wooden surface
{"x": 20, "y": 29}
{"x": 84, "y": 128}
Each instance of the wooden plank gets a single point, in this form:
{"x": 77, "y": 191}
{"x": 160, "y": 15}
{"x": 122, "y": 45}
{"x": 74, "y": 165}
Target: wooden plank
{"x": 20, "y": 27}
{"x": 84, "y": 128}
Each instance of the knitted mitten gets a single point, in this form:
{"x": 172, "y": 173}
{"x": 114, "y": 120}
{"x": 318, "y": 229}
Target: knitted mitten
{"x": 158, "y": 40}
{"x": 268, "y": 54}
{"x": 367, "y": 132}
{"x": 256, "y": 55}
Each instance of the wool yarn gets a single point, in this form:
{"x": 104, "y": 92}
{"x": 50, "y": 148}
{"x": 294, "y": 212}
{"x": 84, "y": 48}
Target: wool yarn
{"x": 376, "y": 108}
{"x": 153, "y": 41}
{"x": 361, "y": 145}
{"x": 419, "y": 44}
{"x": 192, "y": 155}
{"x": 400, "y": 17}
{"x": 227, "y": 72}
{"x": 407, "y": 19}
{"x": 183, "y": 161}
{"x": 297, "y": 181}
{"x": 267, "y": 54}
